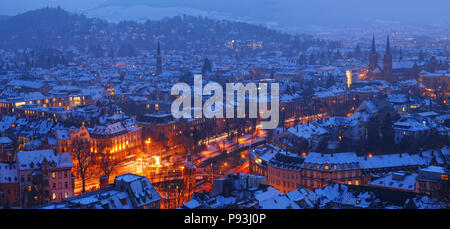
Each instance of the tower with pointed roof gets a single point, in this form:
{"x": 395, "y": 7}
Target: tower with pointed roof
{"x": 387, "y": 66}
{"x": 158, "y": 60}
{"x": 373, "y": 56}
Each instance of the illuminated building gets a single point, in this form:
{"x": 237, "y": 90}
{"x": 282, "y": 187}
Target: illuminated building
{"x": 232, "y": 191}
{"x": 284, "y": 171}
{"x": 120, "y": 140}
{"x": 348, "y": 73}
{"x": 129, "y": 191}
{"x": 332, "y": 101}
{"x": 44, "y": 176}
{"x": 8, "y": 106}
{"x": 288, "y": 171}
{"x": 258, "y": 159}
{"x": 435, "y": 85}
{"x": 30, "y": 86}
{"x": 65, "y": 138}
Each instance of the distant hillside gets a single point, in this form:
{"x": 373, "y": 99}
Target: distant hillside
{"x": 56, "y": 27}
{"x": 43, "y": 26}
{"x": 3, "y": 17}
{"x": 304, "y": 12}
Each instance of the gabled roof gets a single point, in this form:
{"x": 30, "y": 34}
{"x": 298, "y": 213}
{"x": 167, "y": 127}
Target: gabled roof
{"x": 32, "y": 159}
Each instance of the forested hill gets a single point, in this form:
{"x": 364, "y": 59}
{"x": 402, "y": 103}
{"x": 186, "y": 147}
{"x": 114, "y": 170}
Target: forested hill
{"x": 55, "y": 27}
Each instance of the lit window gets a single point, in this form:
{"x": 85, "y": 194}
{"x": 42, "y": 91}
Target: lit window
{"x": 54, "y": 196}
{"x": 53, "y": 175}
{"x": 444, "y": 177}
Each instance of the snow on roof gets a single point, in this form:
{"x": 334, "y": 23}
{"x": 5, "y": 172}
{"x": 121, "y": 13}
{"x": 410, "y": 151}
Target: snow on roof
{"x": 34, "y": 144}
{"x": 65, "y": 160}
{"x": 434, "y": 169}
{"x": 27, "y": 158}
{"x": 329, "y": 93}
{"x": 265, "y": 152}
{"x": 336, "y": 158}
{"x": 376, "y": 161}
{"x": 403, "y": 64}
{"x": 396, "y": 180}
{"x": 141, "y": 189}
{"x": 307, "y": 130}
{"x": 278, "y": 202}
{"x": 128, "y": 178}
{"x": 137, "y": 193}
{"x": 426, "y": 202}
{"x": 5, "y": 140}
{"x": 28, "y": 84}
{"x": 397, "y": 98}
{"x": 269, "y": 193}
{"x": 62, "y": 134}
{"x": 192, "y": 204}
{"x": 33, "y": 96}
{"x": 222, "y": 201}
{"x": 428, "y": 113}
{"x": 109, "y": 129}
{"x": 410, "y": 125}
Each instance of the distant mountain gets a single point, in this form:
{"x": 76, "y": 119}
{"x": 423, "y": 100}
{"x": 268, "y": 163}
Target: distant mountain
{"x": 3, "y": 17}
{"x": 43, "y": 22}
{"x": 53, "y": 27}
{"x": 286, "y": 12}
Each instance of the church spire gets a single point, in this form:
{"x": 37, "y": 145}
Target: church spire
{"x": 159, "y": 49}
{"x": 158, "y": 60}
{"x": 373, "y": 50}
{"x": 373, "y": 56}
{"x": 388, "y": 63}
{"x": 388, "y": 47}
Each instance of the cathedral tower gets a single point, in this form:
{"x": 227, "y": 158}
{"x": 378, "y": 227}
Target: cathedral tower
{"x": 387, "y": 72}
{"x": 373, "y": 56}
{"x": 158, "y": 61}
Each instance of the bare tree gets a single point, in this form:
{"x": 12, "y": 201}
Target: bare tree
{"x": 84, "y": 161}
{"x": 106, "y": 163}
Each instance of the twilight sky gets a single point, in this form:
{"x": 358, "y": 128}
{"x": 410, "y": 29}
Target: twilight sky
{"x": 282, "y": 12}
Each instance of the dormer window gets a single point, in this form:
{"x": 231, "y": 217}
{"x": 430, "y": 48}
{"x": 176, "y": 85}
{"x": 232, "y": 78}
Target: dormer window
{"x": 123, "y": 201}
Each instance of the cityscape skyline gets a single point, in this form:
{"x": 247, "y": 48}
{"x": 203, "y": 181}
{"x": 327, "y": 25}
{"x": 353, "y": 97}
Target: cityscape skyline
{"x": 91, "y": 114}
